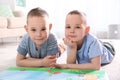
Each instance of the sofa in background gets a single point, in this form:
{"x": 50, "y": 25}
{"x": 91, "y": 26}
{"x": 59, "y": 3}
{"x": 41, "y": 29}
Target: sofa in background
{"x": 11, "y": 23}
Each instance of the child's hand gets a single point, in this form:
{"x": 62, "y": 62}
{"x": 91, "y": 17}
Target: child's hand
{"x": 49, "y": 61}
{"x": 62, "y": 47}
{"x": 69, "y": 42}
{"x": 62, "y": 66}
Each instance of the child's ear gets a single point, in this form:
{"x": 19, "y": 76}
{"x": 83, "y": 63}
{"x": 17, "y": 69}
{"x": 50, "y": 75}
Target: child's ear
{"x": 26, "y": 28}
{"x": 87, "y": 29}
{"x": 50, "y": 26}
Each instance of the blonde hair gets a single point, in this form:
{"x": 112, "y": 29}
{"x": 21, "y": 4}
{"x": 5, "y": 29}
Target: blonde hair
{"x": 82, "y": 15}
{"x": 37, "y": 12}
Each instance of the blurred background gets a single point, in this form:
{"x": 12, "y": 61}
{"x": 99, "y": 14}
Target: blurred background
{"x": 103, "y": 15}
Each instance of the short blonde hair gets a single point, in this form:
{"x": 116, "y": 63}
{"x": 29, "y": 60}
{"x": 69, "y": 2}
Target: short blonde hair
{"x": 37, "y": 12}
{"x": 82, "y": 15}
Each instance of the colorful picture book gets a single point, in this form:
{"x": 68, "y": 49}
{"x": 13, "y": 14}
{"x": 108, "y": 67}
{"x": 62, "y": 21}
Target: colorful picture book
{"x": 22, "y": 73}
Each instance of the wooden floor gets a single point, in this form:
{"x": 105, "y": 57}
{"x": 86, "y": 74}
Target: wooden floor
{"x": 8, "y": 53}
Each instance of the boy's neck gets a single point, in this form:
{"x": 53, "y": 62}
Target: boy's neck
{"x": 37, "y": 47}
{"x": 79, "y": 46}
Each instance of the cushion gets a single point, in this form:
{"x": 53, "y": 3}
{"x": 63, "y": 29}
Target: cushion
{"x": 18, "y": 14}
{"x": 3, "y": 22}
{"x": 16, "y": 22}
{"x": 5, "y": 11}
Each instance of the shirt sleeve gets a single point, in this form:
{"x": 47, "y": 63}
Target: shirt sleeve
{"x": 22, "y": 47}
{"x": 95, "y": 49}
{"x": 52, "y": 47}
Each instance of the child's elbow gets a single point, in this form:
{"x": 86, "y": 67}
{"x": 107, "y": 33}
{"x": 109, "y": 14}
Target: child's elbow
{"x": 97, "y": 67}
{"x": 18, "y": 63}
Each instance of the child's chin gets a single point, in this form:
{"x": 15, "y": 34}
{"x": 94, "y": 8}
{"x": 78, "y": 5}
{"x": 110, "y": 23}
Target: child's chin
{"x": 39, "y": 43}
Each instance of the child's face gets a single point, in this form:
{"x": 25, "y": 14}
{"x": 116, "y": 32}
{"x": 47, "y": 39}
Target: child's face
{"x": 38, "y": 28}
{"x": 75, "y": 29}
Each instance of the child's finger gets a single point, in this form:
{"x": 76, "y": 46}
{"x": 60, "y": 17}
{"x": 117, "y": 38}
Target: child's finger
{"x": 66, "y": 41}
{"x": 52, "y": 64}
{"x": 52, "y": 56}
{"x": 62, "y": 46}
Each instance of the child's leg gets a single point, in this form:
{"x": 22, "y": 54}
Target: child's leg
{"x": 109, "y": 47}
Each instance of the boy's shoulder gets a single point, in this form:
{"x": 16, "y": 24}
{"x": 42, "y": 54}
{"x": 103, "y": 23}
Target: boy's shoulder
{"x": 25, "y": 37}
{"x": 52, "y": 36}
{"x": 90, "y": 38}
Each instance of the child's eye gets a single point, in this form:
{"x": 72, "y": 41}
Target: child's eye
{"x": 33, "y": 30}
{"x": 67, "y": 27}
{"x": 78, "y": 27}
{"x": 43, "y": 29}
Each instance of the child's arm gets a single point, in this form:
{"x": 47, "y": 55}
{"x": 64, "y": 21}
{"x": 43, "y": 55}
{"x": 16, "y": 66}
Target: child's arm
{"x": 94, "y": 65}
{"x": 23, "y": 61}
{"x": 71, "y": 58}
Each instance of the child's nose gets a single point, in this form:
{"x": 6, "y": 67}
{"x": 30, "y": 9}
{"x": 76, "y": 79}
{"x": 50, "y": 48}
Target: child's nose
{"x": 38, "y": 33}
{"x": 72, "y": 30}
